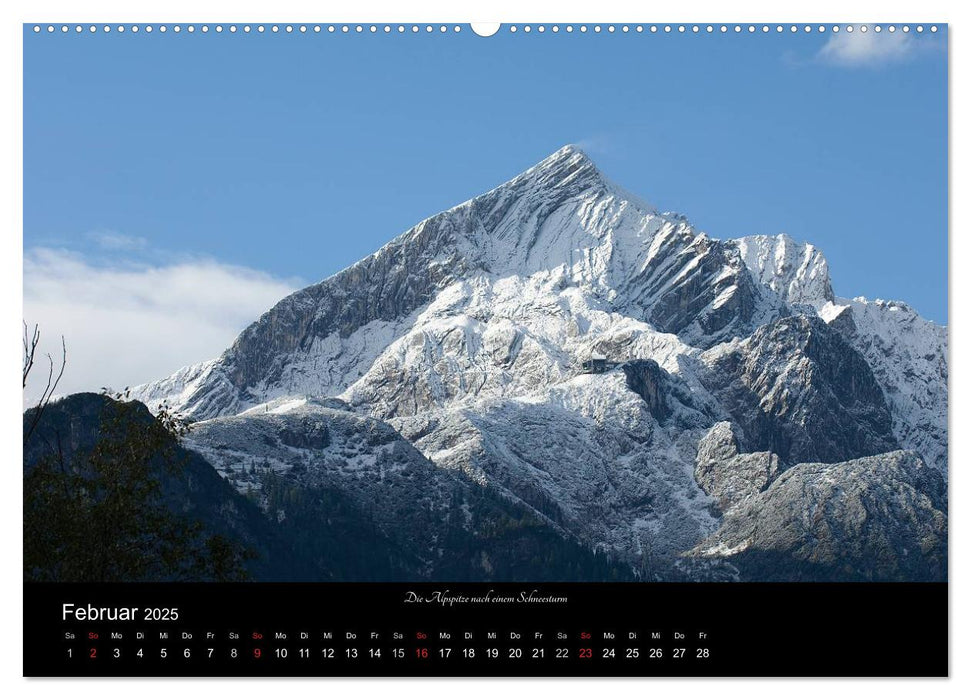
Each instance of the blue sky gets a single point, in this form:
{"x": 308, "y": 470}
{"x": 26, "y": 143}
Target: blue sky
{"x": 285, "y": 158}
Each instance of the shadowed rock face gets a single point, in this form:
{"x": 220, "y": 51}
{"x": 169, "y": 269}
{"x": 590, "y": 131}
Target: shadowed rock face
{"x": 646, "y": 379}
{"x": 727, "y": 475}
{"x": 709, "y": 301}
{"x": 879, "y": 518}
{"x": 798, "y": 389}
{"x": 908, "y": 356}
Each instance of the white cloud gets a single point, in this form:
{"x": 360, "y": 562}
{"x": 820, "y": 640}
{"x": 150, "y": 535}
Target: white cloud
{"x": 868, "y": 48}
{"x": 129, "y": 323}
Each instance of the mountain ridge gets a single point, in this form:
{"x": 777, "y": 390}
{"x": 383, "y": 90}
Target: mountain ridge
{"x": 468, "y": 335}
{"x": 448, "y": 257}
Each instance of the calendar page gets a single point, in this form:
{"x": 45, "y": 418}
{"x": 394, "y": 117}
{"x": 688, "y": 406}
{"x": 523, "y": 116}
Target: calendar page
{"x": 443, "y": 349}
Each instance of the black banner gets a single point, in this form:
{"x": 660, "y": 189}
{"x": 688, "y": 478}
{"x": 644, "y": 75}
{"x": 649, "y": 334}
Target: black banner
{"x": 486, "y": 629}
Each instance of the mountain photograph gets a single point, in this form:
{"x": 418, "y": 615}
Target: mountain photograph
{"x": 406, "y": 303}
{"x": 552, "y": 381}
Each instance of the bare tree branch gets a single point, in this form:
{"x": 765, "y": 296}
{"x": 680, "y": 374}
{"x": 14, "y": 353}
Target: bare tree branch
{"x": 30, "y": 350}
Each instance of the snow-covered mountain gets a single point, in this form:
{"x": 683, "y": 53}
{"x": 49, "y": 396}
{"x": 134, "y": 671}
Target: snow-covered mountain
{"x": 466, "y": 337}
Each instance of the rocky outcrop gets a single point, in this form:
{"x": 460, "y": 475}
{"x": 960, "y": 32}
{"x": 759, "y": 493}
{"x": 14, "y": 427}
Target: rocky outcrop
{"x": 878, "y": 518}
{"x": 646, "y": 379}
{"x": 798, "y": 389}
{"x": 908, "y": 357}
{"x": 727, "y": 475}
{"x": 797, "y": 272}
{"x": 698, "y": 288}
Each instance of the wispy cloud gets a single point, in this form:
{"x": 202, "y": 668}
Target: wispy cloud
{"x": 114, "y": 241}
{"x": 600, "y": 144}
{"x": 869, "y": 48}
{"x": 130, "y": 322}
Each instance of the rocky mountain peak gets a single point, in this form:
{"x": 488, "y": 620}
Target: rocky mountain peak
{"x": 798, "y": 272}
{"x": 569, "y": 169}
{"x": 566, "y": 160}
